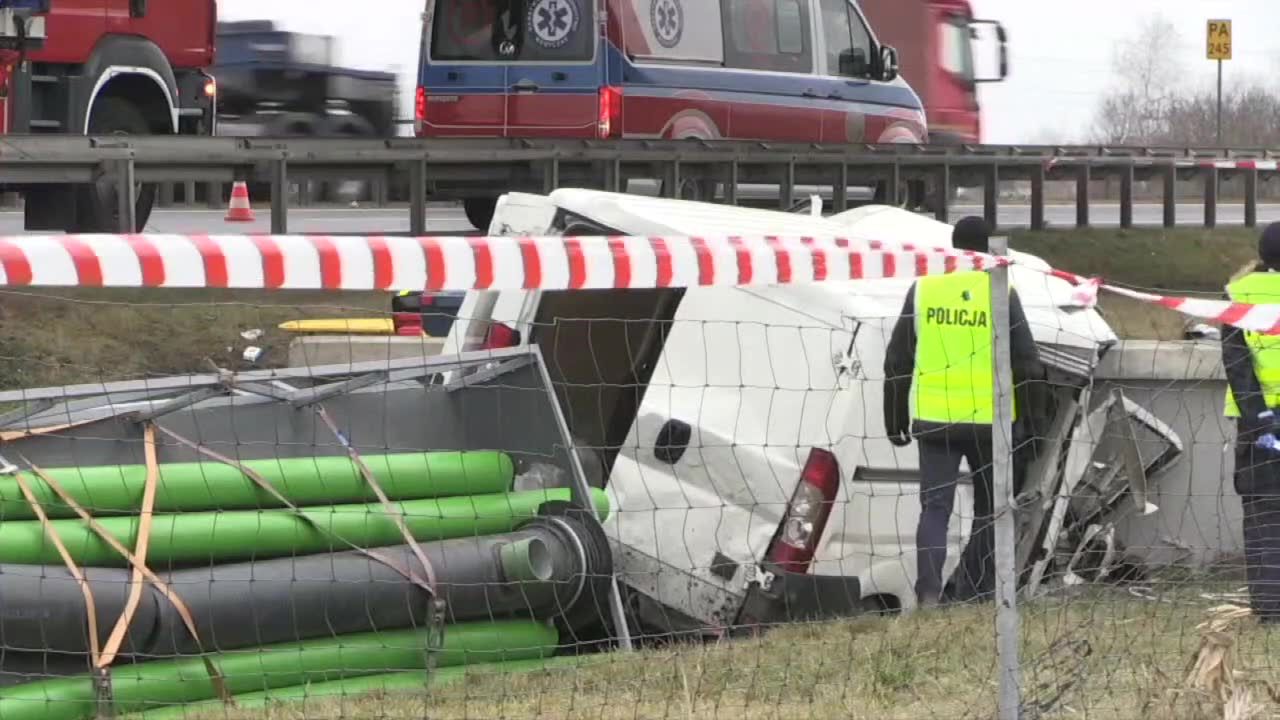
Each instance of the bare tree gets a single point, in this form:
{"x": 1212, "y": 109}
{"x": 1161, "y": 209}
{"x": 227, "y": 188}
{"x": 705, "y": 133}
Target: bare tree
{"x": 1146, "y": 68}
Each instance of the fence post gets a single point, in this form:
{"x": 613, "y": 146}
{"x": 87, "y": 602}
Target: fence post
{"x": 1010, "y": 680}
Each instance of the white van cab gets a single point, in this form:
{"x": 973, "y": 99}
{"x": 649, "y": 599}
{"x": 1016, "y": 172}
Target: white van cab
{"x": 738, "y": 431}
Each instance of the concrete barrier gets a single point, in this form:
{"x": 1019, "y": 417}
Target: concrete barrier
{"x": 310, "y": 350}
{"x": 1183, "y": 384}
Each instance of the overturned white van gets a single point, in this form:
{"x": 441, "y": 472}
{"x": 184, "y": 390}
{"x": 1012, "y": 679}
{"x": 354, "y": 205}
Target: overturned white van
{"x": 738, "y": 431}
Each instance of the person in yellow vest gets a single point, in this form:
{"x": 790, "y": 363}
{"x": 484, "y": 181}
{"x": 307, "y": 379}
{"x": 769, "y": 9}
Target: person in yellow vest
{"x": 939, "y": 389}
{"x": 1252, "y": 364}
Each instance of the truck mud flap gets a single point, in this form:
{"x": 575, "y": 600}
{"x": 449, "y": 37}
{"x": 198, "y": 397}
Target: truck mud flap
{"x": 782, "y": 597}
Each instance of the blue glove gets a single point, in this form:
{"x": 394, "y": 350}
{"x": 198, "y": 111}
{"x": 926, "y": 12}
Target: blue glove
{"x": 1269, "y": 442}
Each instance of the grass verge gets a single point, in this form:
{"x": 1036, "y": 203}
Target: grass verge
{"x": 1182, "y": 261}
{"x": 1104, "y": 654}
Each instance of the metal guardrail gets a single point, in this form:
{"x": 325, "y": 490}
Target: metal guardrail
{"x": 450, "y": 168}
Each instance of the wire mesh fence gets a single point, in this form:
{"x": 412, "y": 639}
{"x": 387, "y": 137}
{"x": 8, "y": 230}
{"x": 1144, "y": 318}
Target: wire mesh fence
{"x": 618, "y": 504}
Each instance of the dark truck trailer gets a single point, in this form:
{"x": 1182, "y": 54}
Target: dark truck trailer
{"x": 285, "y": 84}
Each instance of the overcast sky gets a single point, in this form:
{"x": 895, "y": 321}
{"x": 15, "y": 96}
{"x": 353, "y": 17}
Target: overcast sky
{"x": 1061, "y": 52}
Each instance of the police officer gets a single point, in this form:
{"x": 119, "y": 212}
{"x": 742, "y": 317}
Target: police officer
{"x": 1252, "y": 364}
{"x": 939, "y": 388}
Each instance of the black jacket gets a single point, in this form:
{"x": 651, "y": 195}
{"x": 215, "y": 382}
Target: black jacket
{"x": 900, "y": 364}
{"x": 1237, "y": 362}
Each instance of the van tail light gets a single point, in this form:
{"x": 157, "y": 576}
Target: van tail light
{"x": 610, "y": 124}
{"x": 408, "y": 324}
{"x": 500, "y": 336}
{"x": 796, "y": 541}
{"x": 420, "y": 111}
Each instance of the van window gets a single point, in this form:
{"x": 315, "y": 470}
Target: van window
{"x": 847, "y": 37}
{"x": 768, "y": 35}
{"x": 513, "y": 31}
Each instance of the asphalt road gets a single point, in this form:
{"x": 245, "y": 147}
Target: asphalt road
{"x": 448, "y": 219}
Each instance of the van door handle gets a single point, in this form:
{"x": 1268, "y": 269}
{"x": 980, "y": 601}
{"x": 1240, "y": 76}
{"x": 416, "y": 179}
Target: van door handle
{"x": 525, "y": 86}
{"x": 559, "y": 76}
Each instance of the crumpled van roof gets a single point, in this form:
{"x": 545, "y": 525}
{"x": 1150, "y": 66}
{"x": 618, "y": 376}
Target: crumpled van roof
{"x": 1046, "y": 299}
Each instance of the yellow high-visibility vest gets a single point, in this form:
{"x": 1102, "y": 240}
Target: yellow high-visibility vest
{"x": 1259, "y": 288}
{"x": 954, "y": 376}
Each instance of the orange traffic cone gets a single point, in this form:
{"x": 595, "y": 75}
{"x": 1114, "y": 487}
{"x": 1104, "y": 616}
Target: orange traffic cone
{"x": 239, "y": 210}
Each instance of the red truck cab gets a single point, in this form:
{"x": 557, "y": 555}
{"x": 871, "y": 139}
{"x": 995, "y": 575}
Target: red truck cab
{"x": 936, "y": 40}
{"x": 103, "y": 67}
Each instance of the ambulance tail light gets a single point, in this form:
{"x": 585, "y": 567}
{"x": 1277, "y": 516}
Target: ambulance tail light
{"x": 420, "y": 111}
{"x": 610, "y": 122}
{"x": 796, "y": 541}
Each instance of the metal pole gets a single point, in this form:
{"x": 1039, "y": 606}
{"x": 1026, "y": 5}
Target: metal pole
{"x": 279, "y": 197}
{"x": 1010, "y": 682}
{"x": 126, "y": 197}
{"x": 1219, "y": 103}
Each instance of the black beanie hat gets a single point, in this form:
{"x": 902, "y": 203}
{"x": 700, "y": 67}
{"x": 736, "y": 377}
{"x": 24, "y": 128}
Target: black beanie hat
{"x": 1269, "y": 246}
{"x": 972, "y": 233}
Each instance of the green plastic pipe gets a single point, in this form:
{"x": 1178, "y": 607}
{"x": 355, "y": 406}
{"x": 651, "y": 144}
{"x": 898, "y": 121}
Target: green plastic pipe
{"x": 350, "y": 688}
{"x": 215, "y": 537}
{"x": 117, "y": 489}
{"x": 139, "y": 687}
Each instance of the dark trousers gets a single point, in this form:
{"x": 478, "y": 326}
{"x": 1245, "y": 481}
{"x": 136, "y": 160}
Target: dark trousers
{"x": 1257, "y": 480}
{"x": 940, "y": 456}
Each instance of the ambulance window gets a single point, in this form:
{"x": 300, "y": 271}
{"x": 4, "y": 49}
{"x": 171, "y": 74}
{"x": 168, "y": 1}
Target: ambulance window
{"x": 513, "y": 30}
{"x": 849, "y": 49}
{"x": 767, "y": 35}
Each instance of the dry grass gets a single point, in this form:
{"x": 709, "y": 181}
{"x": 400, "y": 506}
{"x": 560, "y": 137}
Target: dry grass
{"x": 53, "y": 338}
{"x": 1105, "y": 654}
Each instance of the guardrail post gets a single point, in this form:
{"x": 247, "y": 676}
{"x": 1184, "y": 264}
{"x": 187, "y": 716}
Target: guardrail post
{"x": 671, "y": 179}
{"x": 1210, "y": 175}
{"x": 1251, "y": 197}
{"x": 1082, "y": 196}
{"x": 990, "y": 196}
{"x": 840, "y": 189}
{"x": 893, "y": 185}
{"x": 787, "y": 192}
{"x": 126, "y": 195}
{"x": 166, "y": 195}
{"x": 731, "y": 183}
{"x": 943, "y": 209}
{"x": 189, "y": 193}
{"x": 213, "y": 195}
{"x": 418, "y": 198}
{"x": 551, "y": 176}
{"x": 279, "y": 197}
{"x": 613, "y": 175}
{"x": 1126, "y": 195}
{"x": 1037, "y": 197}
{"x": 1170, "y": 177}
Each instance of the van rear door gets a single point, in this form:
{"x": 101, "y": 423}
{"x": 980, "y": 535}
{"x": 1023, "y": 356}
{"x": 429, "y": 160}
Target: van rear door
{"x": 511, "y": 68}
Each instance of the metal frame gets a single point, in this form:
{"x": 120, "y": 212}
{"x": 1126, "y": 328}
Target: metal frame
{"x": 456, "y": 168}
{"x": 156, "y": 400}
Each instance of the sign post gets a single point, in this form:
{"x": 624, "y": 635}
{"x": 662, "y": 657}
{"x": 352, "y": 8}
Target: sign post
{"x": 1218, "y": 47}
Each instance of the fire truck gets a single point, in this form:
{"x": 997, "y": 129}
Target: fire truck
{"x": 103, "y": 67}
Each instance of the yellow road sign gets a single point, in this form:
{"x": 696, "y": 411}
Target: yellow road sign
{"x": 1219, "y": 40}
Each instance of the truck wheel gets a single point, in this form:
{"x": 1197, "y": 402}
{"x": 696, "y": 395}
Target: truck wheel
{"x": 96, "y": 208}
{"x": 480, "y": 211}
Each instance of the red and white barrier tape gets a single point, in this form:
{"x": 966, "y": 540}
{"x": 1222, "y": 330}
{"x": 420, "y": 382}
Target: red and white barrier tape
{"x": 1258, "y": 318}
{"x": 317, "y": 262}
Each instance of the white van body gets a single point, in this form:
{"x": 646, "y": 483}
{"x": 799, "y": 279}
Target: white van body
{"x": 762, "y": 375}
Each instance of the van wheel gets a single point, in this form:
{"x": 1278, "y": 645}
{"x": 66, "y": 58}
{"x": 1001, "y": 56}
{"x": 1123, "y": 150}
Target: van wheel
{"x": 480, "y": 211}
{"x": 97, "y": 210}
